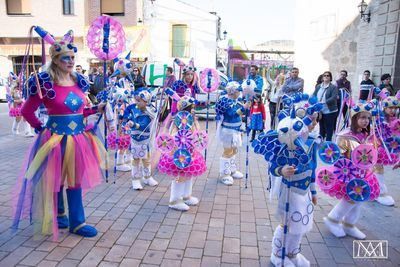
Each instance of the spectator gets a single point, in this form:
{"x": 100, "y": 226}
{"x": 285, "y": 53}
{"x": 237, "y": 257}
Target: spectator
{"x": 138, "y": 80}
{"x": 97, "y": 84}
{"x": 343, "y": 84}
{"x": 168, "y": 82}
{"x": 79, "y": 69}
{"x": 319, "y": 81}
{"x": 294, "y": 84}
{"x": 326, "y": 93}
{"x": 93, "y": 74}
{"x": 366, "y": 86}
{"x": 169, "y": 77}
{"x": 385, "y": 79}
{"x": 253, "y": 75}
{"x": 275, "y": 94}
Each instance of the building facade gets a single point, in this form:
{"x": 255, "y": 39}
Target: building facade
{"x": 156, "y": 31}
{"x": 331, "y": 36}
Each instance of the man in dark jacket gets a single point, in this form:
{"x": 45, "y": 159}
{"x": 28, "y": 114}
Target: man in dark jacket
{"x": 366, "y": 86}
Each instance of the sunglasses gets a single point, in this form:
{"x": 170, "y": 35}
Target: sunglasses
{"x": 135, "y": 70}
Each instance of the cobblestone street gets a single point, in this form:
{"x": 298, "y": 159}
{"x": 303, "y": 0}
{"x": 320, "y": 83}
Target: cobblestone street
{"x": 231, "y": 226}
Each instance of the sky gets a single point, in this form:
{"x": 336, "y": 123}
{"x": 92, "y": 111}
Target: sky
{"x": 253, "y": 21}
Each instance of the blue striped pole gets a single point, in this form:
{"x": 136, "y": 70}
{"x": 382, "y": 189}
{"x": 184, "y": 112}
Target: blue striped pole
{"x": 105, "y": 124}
{"x": 208, "y": 106}
{"x": 285, "y": 227}
{"x": 247, "y": 151}
{"x": 116, "y": 146}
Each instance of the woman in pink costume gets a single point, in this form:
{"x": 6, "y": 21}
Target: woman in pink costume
{"x": 64, "y": 153}
{"x": 352, "y": 184}
{"x": 183, "y": 162}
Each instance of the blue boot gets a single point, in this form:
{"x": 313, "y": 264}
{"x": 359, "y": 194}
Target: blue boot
{"x": 77, "y": 223}
{"x": 62, "y": 219}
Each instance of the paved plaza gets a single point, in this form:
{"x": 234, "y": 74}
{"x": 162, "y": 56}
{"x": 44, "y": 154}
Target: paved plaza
{"x": 231, "y": 226}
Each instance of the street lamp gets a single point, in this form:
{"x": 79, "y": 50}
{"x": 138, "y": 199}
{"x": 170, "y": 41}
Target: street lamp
{"x": 225, "y": 33}
{"x": 362, "y": 7}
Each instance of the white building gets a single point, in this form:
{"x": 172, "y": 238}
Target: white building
{"x": 180, "y": 30}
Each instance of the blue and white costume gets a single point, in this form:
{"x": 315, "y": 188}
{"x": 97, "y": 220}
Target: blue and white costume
{"x": 291, "y": 145}
{"x": 229, "y": 115}
{"x": 141, "y": 121}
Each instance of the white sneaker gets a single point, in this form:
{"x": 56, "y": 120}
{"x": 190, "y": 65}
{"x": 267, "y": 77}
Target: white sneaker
{"x": 227, "y": 180}
{"x": 179, "y": 205}
{"x": 237, "y": 175}
{"x": 136, "y": 184}
{"x": 29, "y": 134}
{"x": 150, "y": 181}
{"x": 335, "y": 228}
{"x": 385, "y": 200}
{"x": 15, "y": 131}
{"x": 353, "y": 231}
{"x": 277, "y": 261}
{"x": 300, "y": 261}
{"x": 191, "y": 201}
{"x": 123, "y": 168}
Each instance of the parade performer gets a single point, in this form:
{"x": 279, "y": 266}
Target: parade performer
{"x": 140, "y": 120}
{"x": 229, "y": 116}
{"x": 257, "y": 116}
{"x": 351, "y": 179}
{"x": 188, "y": 85}
{"x": 120, "y": 99}
{"x": 291, "y": 154}
{"x": 387, "y": 128}
{"x": 181, "y": 159}
{"x": 15, "y": 101}
{"x": 64, "y": 153}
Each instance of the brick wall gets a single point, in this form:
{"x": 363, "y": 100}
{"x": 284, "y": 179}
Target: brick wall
{"x": 132, "y": 9}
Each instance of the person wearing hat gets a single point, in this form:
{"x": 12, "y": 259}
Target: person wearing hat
{"x": 140, "y": 119}
{"x": 342, "y": 218}
{"x": 229, "y": 116}
{"x": 184, "y": 162}
{"x": 390, "y": 106}
{"x": 65, "y": 153}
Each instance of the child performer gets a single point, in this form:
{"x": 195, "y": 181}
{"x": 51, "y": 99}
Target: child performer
{"x": 291, "y": 153}
{"x": 141, "y": 120}
{"x": 229, "y": 115}
{"x": 257, "y": 116}
{"x": 345, "y": 214}
{"x": 15, "y": 105}
{"x": 390, "y": 107}
{"x": 184, "y": 162}
{"x": 118, "y": 139}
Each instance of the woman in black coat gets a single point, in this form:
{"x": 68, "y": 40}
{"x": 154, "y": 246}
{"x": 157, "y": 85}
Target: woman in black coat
{"x": 327, "y": 93}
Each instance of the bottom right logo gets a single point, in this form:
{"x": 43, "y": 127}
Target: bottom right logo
{"x": 370, "y": 249}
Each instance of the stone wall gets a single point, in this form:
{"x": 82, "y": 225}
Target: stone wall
{"x": 352, "y": 44}
{"x": 387, "y": 41}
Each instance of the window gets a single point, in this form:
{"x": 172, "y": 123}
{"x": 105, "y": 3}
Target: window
{"x": 68, "y": 7}
{"x": 18, "y": 7}
{"x": 18, "y": 62}
{"x": 113, "y": 7}
{"x": 180, "y": 45}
